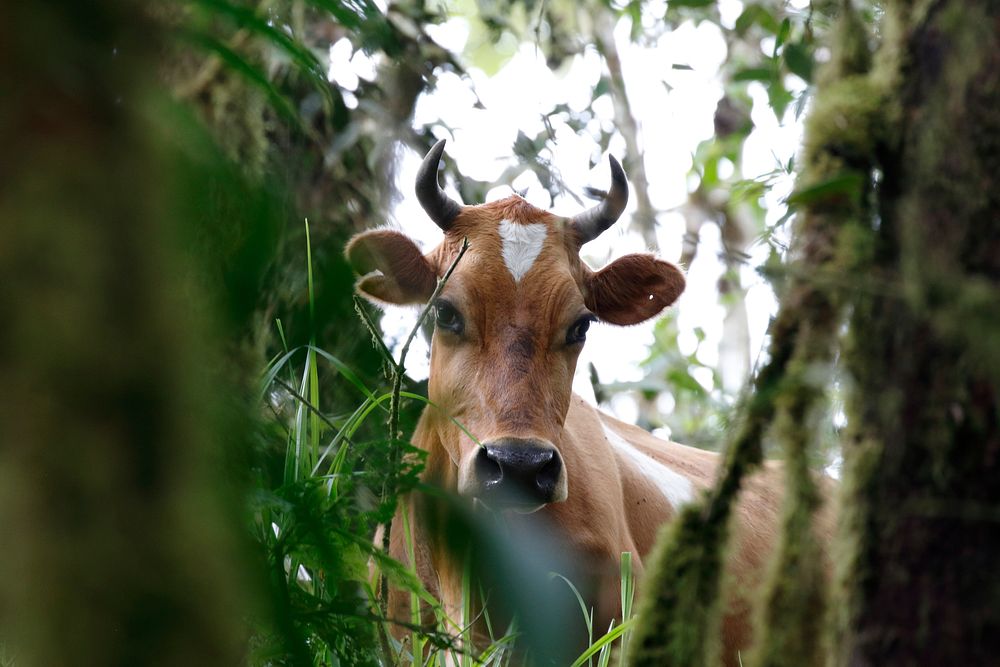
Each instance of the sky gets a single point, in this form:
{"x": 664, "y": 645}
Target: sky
{"x": 673, "y": 119}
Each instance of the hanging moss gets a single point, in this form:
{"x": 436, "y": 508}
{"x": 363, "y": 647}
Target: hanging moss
{"x": 684, "y": 577}
{"x": 844, "y": 133}
{"x": 239, "y": 118}
{"x": 679, "y": 617}
{"x": 844, "y": 128}
{"x": 791, "y": 621}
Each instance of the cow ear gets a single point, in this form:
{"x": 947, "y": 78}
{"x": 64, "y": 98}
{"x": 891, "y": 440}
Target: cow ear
{"x": 633, "y": 289}
{"x": 392, "y": 268}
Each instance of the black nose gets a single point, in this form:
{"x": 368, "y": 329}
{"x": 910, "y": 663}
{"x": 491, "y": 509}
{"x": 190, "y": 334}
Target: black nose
{"x": 513, "y": 472}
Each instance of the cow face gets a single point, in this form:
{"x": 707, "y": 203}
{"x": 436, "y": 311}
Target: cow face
{"x": 509, "y": 326}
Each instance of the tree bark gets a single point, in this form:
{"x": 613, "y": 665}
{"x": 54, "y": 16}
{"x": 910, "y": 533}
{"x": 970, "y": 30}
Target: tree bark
{"x": 923, "y": 466}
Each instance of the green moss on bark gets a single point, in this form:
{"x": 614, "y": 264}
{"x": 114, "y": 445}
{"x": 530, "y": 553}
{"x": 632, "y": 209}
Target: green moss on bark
{"x": 921, "y": 465}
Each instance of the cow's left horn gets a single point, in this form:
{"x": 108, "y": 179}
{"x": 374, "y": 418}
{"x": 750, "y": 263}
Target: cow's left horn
{"x": 440, "y": 207}
{"x": 591, "y": 224}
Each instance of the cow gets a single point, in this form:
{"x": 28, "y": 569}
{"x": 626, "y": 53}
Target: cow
{"x": 509, "y": 325}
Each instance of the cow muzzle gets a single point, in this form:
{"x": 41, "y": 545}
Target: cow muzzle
{"x": 515, "y": 474}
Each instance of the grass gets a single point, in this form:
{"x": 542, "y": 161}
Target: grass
{"x": 344, "y": 473}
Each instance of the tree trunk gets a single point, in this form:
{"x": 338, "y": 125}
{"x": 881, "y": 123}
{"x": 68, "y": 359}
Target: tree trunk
{"x": 119, "y": 543}
{"x": 923, "y": 465}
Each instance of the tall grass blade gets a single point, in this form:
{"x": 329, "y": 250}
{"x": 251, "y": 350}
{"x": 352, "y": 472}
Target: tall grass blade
{"x": 344, "y": 370}
{"x": 293, "y": 459}
{"x": 628, "y": 597}
{"x": 588, "y": 617}
{"x": 597, "y": 646}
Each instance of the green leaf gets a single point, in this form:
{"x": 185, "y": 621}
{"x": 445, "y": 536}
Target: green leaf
{"x": 745, "y": 20}
{"x": 759, "y": 15}
{"x": 747, "y": 190}
{"x": 778, "y": 97}
{"x": 691, "y": 3}
{"x": 799, "y": 61}
{"x": 343, "y": 369}
{"x": 684, "y": 381}
{"x": 603, "y": 86}
{"x": 846, "y": 183}
{"x": 342, "y": 11}
{"x": 783, "y": 31}
{"x": 611, "y": 635}
{"x": 754, "y": 74}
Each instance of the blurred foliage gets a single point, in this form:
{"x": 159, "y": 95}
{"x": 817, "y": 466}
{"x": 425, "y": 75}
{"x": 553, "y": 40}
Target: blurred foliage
{"x": 119, "y": 416}
{"x": 258, "y": 76}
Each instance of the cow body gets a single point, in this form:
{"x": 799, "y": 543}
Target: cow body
{"x": 642, "y": 482}
{"x": 504, "y": 427}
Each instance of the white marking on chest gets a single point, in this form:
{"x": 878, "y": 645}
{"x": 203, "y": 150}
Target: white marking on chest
{"x": 521, "y": 246}
{"x": 675, "y": 487}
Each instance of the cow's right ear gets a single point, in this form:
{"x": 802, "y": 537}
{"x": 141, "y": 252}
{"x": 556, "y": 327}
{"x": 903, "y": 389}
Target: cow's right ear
{"x": 392, "y": 268}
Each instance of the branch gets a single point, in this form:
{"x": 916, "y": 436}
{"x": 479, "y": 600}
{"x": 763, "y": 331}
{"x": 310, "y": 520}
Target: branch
{"x": 645, "y": 214}
{"x": 398, "y": 371}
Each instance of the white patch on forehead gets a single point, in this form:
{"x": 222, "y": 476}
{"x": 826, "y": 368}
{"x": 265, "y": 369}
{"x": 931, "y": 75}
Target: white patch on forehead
{"x": 521, "y": 246}
{"x": 675, "y": 487}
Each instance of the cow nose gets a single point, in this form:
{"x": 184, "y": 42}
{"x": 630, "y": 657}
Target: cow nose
{"x": 513, "y": 472}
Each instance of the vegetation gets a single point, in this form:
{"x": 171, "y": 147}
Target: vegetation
{"x": 202, "y": 428}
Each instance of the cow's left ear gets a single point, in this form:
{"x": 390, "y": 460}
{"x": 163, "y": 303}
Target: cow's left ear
{"x": 392, "y": 268}
{"x": 633, "y": 289}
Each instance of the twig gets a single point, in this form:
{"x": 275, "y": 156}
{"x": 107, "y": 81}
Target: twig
{"x": 398, "y": 371}
{"x": 366, "y": 319}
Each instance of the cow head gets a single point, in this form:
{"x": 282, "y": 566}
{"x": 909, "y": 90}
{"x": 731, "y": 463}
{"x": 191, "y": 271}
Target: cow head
{"x": 509, "y": 326}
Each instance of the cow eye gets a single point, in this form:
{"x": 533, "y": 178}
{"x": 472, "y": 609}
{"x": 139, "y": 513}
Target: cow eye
{"x": 446, "y": 316}
{"x": 577, "y": 333}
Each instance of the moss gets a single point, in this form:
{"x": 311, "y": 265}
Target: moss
{"x": 679, "y": 615}
{"x": 854, "y": 533}
{"x": 852, "y": 53}
{"x": 844, "y": 135}
{"x": 238, "y": 116}
{"x": 680, "y": 611}
{"x": 791, "y": 619}
{"x": 844, "y": 129}
{"x": 910, "y": 587}
{"x": 114, "y": 430}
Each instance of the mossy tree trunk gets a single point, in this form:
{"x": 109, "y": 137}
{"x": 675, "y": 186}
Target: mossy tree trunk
{"x": 920, "y": 579}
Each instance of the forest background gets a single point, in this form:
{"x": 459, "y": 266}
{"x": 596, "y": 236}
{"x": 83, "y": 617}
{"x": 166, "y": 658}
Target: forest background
{"x": 194, "y": 426}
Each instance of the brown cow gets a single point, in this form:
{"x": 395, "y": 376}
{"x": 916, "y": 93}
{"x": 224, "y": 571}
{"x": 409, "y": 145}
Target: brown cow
{"x": 509, "y": 326}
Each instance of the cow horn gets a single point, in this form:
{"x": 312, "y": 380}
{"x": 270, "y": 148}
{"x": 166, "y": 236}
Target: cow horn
{"x": 439, "y": 206}
{"x": 591, "y": 224}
